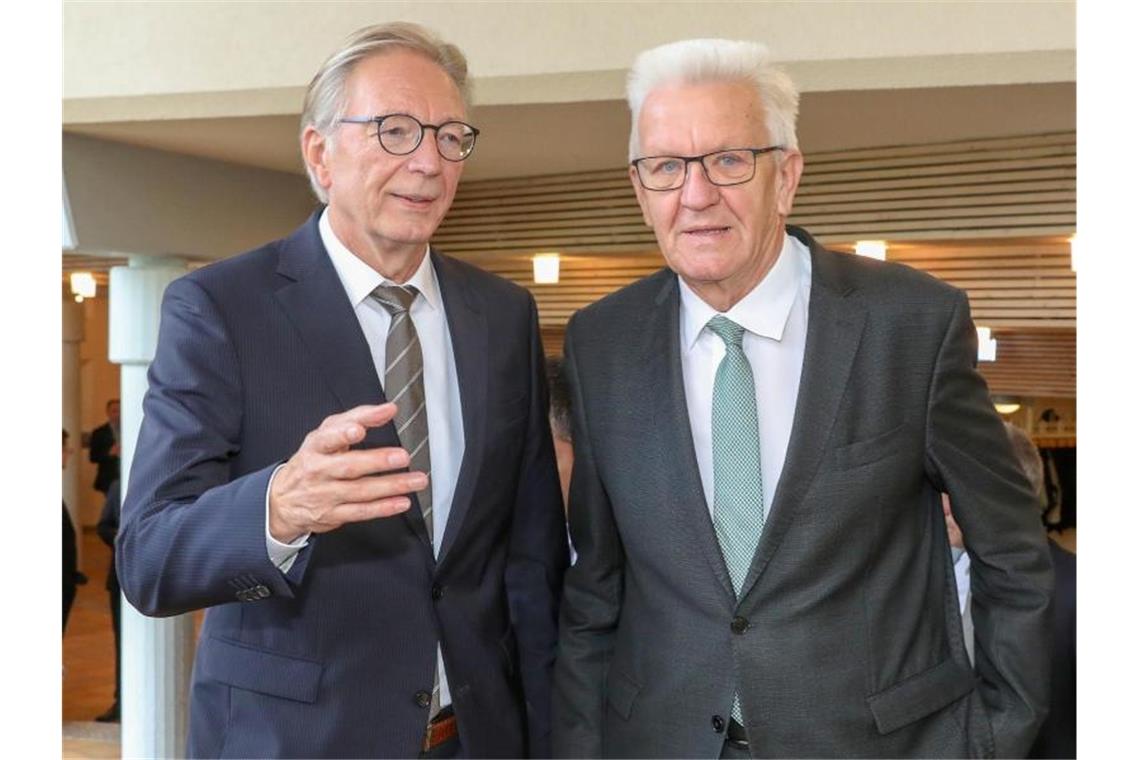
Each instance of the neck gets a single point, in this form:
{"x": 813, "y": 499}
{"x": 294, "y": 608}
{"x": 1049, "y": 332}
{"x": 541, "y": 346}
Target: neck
{"x": 396, "y": 261}
{"x": 722, "y": 295}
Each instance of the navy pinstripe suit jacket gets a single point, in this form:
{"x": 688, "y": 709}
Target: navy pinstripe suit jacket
{"x": 253, "y": 353}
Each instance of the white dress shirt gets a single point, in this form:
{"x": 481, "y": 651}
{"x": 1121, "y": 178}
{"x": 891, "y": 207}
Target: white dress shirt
{"x": 441, "y": 385}
{"x": 774, "y": 316}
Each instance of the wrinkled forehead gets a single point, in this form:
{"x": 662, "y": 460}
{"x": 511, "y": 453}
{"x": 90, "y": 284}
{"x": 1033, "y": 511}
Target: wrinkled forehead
{"x": 701, "y": 117}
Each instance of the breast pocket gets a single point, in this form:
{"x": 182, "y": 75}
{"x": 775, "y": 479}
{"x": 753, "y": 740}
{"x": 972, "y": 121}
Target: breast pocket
{"x": 870, "y": 449}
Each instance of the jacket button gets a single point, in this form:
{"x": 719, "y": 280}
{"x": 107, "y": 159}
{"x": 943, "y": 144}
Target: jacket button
{"x": 423, "y": 699}
{"x": 436, "y": 592}
{"x": 739, "y": 625}
{"x": 718, "y": 724}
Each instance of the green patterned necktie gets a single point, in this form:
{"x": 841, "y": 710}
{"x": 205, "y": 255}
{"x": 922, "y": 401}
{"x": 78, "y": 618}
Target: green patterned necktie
{"x": 738, "y": 484}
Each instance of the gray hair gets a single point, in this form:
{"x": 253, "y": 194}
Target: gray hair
{"x": 702, "y": 61}
{"x": 1029, "y": 459}
{"x": 324, "y": 99}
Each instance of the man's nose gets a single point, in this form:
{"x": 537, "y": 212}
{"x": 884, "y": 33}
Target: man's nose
{"x": 425, "y": 158}
{"x": 698, "y": 192}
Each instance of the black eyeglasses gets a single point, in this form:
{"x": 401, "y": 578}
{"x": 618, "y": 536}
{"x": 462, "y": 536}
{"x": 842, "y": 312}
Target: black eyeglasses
{"x": 734, "y": 166}
{"x": 400, "y": 134}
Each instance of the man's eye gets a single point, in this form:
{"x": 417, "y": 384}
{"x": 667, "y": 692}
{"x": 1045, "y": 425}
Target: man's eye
{"x": 667, "y": 166}
{"x": 729, "y": 160}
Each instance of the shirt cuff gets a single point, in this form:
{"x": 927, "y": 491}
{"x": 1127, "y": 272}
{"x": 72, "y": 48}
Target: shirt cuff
{"x": 280, "y": 554}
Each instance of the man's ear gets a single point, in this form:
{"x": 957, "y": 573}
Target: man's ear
{"x": 315, "y": 149}
{"x": 788, "y": 181}
{"x": 641, "y": 196}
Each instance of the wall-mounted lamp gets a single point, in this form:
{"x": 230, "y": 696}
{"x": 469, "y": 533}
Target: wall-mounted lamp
{"x": 82, "y": 285}
{"x": 872, "y": 249}
{"x": 1073, "y": 252}
{"x": 987, "y": 346}
{"x": 546, "y": 268}
{"x": 1006, "y": 404}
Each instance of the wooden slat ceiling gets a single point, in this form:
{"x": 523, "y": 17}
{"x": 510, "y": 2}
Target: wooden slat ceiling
{"x": 990, "y": 216}
{"x": 1009, "y": 187}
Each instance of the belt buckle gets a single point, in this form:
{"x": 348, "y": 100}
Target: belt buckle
{"x": 439, "y": 732}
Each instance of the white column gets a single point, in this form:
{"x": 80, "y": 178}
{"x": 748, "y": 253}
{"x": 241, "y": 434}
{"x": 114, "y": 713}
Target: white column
{"x": 157, "y": 652}
{"x": 72, "y": 422}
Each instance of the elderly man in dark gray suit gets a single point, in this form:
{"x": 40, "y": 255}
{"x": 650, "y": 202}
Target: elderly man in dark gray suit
{"x": 761, "y": 434}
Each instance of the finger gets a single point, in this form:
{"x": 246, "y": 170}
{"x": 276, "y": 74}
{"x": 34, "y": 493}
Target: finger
{"x": 340, "y": 431}
{"x": 373, "y": 488}
{"x": 368, "y": 415}
{"x": 370, "y": 510}
{"x": 349, "y": 465}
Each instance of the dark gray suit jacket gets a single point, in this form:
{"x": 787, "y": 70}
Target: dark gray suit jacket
{"x": 846, "y": 640}
{"x": 335, "y": 659}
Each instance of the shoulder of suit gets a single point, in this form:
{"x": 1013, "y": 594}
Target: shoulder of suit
{"x": 237, "y": 272}
{"x": 881, "y": 283}
{"x": 629, "y": 300}
{"x": 486, "y": 282}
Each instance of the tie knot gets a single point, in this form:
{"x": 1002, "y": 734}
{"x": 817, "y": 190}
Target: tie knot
{"x": 731, "y": 333}
{"x": 397, "y": 299}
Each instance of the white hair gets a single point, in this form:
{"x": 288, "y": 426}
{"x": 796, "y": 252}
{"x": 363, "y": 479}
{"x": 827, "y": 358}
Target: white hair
{"x": 703, "y": 61}
{"x": 325, "y": 97}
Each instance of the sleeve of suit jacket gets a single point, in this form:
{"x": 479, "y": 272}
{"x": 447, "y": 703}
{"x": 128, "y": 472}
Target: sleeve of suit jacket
{"x": 969, "y": 454}
{"x": 537, "y": 556}
{"x": 190, "y": 534}
{"x": 592, "y": 594}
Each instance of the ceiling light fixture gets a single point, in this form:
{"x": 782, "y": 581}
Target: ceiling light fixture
{"x": 872, "y": 249}
{"x": 987, "y": 346}
{"x": 1006, "y": 404}
{"x": 546, "y": 267}
{"x": 82, "y": 285}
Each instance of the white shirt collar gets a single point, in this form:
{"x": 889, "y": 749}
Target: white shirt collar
{"x": 764, "y": 311}
{"x": 360, "y": 280}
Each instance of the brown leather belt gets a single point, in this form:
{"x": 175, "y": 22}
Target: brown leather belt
{"x": 440, "y": 730}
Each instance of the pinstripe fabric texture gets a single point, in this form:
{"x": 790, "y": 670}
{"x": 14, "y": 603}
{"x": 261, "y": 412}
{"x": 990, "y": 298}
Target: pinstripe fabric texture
{"x": 738, "y": 484}
{"x": 404, "y": 386}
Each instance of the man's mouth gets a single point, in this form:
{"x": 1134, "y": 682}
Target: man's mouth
{"x": 416, "y": 199}
{"x": 705, "y": 232}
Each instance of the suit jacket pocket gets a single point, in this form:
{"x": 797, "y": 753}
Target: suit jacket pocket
{"x": 868, "y": 450}
{"x": 621, "y": 690}
{"x": 265, "y": 672}
{"x": 920, "y": 695}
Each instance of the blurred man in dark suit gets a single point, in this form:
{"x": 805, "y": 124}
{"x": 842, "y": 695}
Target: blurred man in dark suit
{"x": 104, "y": 449}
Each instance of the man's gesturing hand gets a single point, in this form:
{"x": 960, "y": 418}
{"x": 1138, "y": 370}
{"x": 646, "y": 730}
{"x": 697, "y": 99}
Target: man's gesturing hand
{"x": 325, "y": 484}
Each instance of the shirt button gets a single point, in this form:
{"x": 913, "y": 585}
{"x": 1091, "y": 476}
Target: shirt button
{"x": 739, "y": 625}
{"x": 436, "y": 591}
{"x": 718, "y": 724}
{"x": 423, "y": 699}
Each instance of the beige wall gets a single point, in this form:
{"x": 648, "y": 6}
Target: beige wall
{"x": 115, "y": 50}
{"x": 129, "y": 200}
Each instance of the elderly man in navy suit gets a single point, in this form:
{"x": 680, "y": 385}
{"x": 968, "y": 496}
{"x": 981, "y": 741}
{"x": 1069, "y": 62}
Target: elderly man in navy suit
{"x": 345, "y": 454}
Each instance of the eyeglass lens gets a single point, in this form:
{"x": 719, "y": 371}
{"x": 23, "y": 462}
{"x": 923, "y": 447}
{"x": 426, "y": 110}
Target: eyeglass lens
{"x": 400, "y": 134}
{"x": 724, "y": 168}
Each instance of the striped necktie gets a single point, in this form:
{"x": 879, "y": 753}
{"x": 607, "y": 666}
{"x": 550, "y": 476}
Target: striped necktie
{"x": 404, "y": 386}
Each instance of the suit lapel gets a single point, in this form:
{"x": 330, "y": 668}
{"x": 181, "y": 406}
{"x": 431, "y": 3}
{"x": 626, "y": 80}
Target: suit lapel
{"x": 468, "y": 327}
{"x": 314, "y": 300}
{"x": 661, "y": 363}
{"x": 835, "y": 326}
